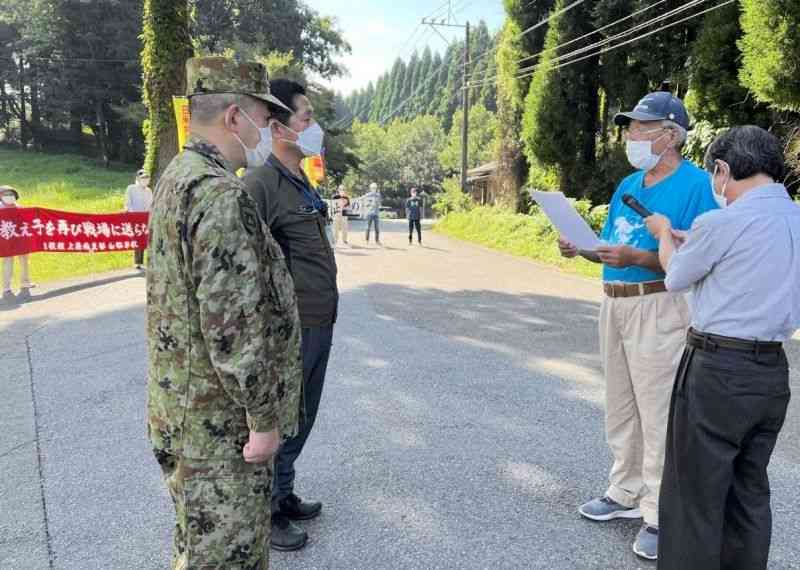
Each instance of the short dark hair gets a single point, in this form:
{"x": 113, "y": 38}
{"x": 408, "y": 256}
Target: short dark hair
{"x": 204, "y": 108}
{"x": 285, "y": 90}
{"x": 748, "y": 150}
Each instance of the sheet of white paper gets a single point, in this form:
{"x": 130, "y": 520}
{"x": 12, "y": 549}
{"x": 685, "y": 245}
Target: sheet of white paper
{"x": 567, "y": 220}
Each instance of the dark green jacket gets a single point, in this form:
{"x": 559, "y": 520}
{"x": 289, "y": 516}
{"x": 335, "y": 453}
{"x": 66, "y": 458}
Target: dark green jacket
{"x": 300, "y": 231}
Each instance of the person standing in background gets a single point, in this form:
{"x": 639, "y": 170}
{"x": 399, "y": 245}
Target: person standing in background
{"x": 340, "y": 222}
{"x": 373, "y": 206}
{"x": 414, "y": 215}
{"x": 139, "y": 198}
{"x": 8, "y": 199}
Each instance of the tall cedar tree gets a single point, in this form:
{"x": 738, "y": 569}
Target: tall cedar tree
{"x": 167, "y": 46}
{"x": 715, "y": 94}
{"x": 560, "y": 117}
{"x": 771, "y": 51}
{"x": 514, "y": 44}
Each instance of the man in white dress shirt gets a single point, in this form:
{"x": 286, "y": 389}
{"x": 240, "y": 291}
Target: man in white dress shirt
{"x": 139, "y": 198}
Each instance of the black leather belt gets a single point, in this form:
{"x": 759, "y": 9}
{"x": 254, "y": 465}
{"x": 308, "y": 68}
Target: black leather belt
{"x": 711, "y": 342}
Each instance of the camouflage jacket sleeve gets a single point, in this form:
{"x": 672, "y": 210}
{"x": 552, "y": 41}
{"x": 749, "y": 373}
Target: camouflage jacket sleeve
{"x": 227, "y": 269}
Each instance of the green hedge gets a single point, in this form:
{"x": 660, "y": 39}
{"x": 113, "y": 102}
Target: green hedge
{"x": 529, "y": 235}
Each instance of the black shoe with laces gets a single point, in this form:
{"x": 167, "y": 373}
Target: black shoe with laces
{"x": 285, "y": 535}
{"x": 296, "y": 509}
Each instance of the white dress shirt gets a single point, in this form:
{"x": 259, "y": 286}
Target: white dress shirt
{"x": 138, "y": 198}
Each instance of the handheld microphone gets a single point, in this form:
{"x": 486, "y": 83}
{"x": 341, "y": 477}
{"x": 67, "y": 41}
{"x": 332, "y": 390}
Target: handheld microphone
{"x": 636, "y": 206}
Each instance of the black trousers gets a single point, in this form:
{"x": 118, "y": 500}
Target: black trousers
{"x": 414, "y": 224}
{"x": 727, "y": 409}
{"x": 316, "y": 348}
{"x": 138, "y": 257}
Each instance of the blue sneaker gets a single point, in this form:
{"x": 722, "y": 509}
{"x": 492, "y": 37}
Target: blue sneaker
{"x": 605, "y": 509}
{"x": 646, "y": 544}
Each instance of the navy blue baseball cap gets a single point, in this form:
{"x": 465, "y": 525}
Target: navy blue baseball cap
{"x": 658, "y": 106}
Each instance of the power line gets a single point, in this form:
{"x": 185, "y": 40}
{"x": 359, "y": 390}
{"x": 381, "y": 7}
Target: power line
{"x": 346, "y": 122}
{"x": 605, "y": 50}
{"x": 413, "y": 95}
{"x": 601, "y": 43}
{"x": 597, "y": 31}
{"x": 564, "y": 10}
{"x": 80, "y": 59}
{"x": 522, "y": 73}
{"x": 625, "y": 33}
{"x": 686, "y": 19}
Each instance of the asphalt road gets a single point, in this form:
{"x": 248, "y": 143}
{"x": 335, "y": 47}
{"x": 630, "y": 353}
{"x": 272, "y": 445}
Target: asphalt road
{"x": 460, "y": 428}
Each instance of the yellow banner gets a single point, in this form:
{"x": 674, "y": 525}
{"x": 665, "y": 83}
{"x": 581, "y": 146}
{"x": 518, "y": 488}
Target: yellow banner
{"x": 314, "y": 168}
{"x": 181, "y": 105}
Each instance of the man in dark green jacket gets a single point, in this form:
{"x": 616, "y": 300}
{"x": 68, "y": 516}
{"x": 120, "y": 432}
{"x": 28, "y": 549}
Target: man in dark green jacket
{"x": 296, "y": 216}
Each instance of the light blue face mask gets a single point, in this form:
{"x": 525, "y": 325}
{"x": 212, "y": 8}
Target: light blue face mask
{"x": 310, "y": 140}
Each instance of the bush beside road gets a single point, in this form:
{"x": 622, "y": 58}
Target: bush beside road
{"x": 530, "y": 236}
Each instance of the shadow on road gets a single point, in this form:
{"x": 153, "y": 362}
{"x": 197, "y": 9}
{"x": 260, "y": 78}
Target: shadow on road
{"x": 459, "y": 429}
{"x": 48, "y": 294}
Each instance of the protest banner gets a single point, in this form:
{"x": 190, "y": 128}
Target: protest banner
{"x": 31, "y": 230}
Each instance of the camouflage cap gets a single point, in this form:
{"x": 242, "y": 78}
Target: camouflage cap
{"x": 209, "y": 75}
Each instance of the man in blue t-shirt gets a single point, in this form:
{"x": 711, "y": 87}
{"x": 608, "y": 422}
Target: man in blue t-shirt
{"x": 642, "y": 326}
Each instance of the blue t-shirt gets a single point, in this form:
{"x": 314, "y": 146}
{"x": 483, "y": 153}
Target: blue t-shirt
{"x": 681, "y": 197}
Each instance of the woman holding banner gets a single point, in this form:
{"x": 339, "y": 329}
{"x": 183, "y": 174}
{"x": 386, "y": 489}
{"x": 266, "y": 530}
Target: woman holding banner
{"x": 8, "y": 199}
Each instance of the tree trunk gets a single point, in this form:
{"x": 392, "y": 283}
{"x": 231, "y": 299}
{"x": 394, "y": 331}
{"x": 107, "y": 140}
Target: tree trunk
{"x": 604, "y": 118}
{"x": 36, "y": 114}
{"x": 76, "y": 127}
{"x": 4, "y": 107}
{"x": 167, "y": 46}
{"x": 23, "y": 115}
{"x": 589, "y": 146}
{"x": 100, "y": 132}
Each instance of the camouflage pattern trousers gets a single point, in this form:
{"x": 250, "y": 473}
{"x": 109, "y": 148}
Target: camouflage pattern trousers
{"x": 222, "y": 511}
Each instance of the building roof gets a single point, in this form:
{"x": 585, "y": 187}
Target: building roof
{"x": 481, "y": 172}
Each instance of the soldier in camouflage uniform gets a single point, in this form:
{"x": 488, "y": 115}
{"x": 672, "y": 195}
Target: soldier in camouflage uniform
{"x": 222, "y": 325}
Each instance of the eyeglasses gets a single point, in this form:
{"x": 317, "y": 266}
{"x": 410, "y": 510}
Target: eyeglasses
{"x": 640, "y": 132}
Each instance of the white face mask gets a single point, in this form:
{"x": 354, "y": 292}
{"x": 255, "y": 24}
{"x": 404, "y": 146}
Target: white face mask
{"x": 640, "y": 154}
{"x": 257, "y": 156}
{"x": 310, "y": 140}
{"x": 8, "y": 200}
{"x": 719, "y": 198}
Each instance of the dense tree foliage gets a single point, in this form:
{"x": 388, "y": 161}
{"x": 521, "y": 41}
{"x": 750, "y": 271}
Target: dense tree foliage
{"x": 428, "y": 84}
{"x": 74, "y": 74}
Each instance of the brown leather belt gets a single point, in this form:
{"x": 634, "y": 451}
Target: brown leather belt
{"x": 711, "y": 342}
{"x": 615, "y": 290}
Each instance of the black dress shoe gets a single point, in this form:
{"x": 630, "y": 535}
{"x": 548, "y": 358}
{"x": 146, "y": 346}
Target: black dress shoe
{"x": 286, "y": 536}
{"x": 296, "y": 509}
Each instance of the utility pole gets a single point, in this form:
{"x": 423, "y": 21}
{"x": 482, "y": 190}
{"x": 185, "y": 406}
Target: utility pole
{"x": 448, "y": 23}
{"x": 465, "y": 124}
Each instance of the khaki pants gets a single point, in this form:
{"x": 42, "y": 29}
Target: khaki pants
{"x": 641, "y": 341}
{"x": 339, "y": 228}
{"x": 8, "y": 272}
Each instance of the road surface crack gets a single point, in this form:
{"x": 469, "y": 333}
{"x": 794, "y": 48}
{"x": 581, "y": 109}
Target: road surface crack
{"x": 50, "y": 555}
